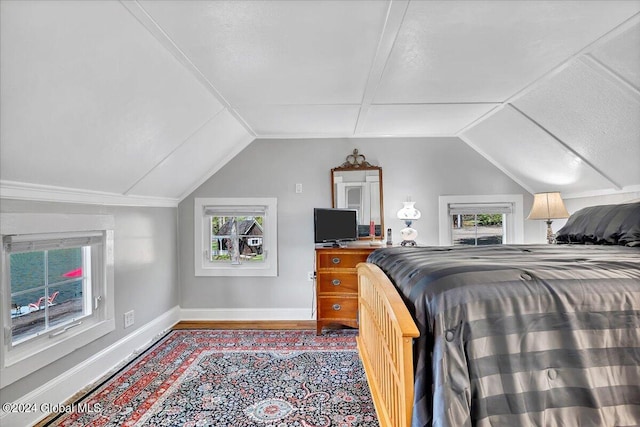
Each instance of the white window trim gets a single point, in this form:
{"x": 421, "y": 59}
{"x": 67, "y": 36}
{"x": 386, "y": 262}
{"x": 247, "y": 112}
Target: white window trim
{"x": 269, "y": 241}
{"x": 23, "y": 360}
{"x": 515, "y": 220}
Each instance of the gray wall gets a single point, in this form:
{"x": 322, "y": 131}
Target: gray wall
{"x": 145, "y": 275}
{"x": 423, "y": 168}
{"x": 148, "y": 241}
{"x": 154, "y": 246}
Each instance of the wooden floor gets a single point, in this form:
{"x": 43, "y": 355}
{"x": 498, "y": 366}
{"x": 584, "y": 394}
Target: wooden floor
{"x": 206, "y": 324}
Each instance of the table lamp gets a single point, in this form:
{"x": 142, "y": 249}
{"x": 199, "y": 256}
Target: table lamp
{"x": 408, "y": 213}
{"x": 548, "y": 206}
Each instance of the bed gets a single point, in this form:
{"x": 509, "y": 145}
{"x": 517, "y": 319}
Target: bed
{"x": 508, "y": 335}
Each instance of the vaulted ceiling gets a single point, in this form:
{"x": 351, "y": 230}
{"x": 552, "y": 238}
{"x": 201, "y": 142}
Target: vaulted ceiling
{"x": 146, "y": 99}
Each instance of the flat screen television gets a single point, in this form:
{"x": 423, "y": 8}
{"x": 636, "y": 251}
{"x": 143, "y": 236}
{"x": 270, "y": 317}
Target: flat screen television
{"x": 332, "y": 225}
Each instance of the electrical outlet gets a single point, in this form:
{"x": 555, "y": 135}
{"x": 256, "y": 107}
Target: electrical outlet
{"x": 128, "y": 319}
{"x": 311, "y": 276}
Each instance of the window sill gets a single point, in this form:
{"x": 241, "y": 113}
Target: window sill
{"x": 237, "y": 271}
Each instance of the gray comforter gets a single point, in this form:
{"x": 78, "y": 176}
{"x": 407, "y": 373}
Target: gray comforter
{"x": 522, "y": 335}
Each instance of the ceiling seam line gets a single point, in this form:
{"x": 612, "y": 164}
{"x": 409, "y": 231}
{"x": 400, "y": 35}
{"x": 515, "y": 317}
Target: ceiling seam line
{"x": 351, "y": 104}
{"x": 318, "y": 104}
{"x": 371, "y": 88}
{"x": 150, "y": 24}
{"x": 438, "y": 103}
{"x": 565, "y": 146}
{"x": 350, "y": 136}
{"x": 166, "y": 39}
{"x": 496, "y": 164}
{"x": 614, "y": 32}
{"x": 480, "y": 119}
{"x": 237, "y": 148}
{"x": 610, "y": 74}
{"x": 576, "y": 56}
{"x": 198, "y": 129}
{"x": 596, "y": 193}
{"x": 554, "y": 72}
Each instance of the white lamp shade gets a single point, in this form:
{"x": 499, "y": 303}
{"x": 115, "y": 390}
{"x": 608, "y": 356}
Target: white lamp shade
{"x": 408, "y": 211}
{"x": 548, "y": 206}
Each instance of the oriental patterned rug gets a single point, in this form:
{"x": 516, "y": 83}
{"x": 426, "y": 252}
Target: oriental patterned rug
{"x": 234, "y": 379}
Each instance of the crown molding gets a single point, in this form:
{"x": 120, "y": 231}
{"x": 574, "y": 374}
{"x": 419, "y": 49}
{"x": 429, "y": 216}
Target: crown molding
{"x": 48, "y": 193}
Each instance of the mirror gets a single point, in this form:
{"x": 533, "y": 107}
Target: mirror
{"x": 357, "y": 184}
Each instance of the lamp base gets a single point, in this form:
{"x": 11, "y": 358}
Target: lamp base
{"x": 551, "y": 238}
{"x": 408, "y": 235}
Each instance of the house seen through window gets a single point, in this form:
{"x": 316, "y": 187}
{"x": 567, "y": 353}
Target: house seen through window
{"x": 236, "y": 239}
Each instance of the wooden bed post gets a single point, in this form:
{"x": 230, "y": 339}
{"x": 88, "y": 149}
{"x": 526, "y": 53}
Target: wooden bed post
{"x": 385, "y": 344}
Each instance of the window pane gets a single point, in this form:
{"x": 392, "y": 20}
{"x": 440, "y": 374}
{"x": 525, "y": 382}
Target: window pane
{"x": 220, "y": 237}
{"x": 61, "y": 298}
{"x": 27, "y": 315}
{"x": 64, "y": 263}
{"x": 67, "y": 301}
{"x": 243, "y": 234}
{"x": 480, "y": 229}
{"x": 27, "y": 272}
{"x": 464, "y": 229}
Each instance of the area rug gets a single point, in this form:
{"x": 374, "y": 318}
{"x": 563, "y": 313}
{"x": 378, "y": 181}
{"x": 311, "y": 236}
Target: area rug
{"x": 234, "y": 379}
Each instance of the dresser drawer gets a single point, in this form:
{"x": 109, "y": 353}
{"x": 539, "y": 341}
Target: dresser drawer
{"x": 341, "y": 259}
{"x": 335, "y": 281}
{"x": 343, "y": 307}
{"x": 337, "y": 285}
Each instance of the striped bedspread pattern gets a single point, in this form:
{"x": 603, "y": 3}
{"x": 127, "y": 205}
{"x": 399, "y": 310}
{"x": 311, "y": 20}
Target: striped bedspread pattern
{"x": 522, "y": 335}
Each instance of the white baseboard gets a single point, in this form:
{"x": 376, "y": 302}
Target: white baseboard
{"x": 65, "y": 386}
{"x": 247, "y": 314}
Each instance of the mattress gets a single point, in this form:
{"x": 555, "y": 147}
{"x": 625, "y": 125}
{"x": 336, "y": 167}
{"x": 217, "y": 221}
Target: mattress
{"x": 522, "y": 335}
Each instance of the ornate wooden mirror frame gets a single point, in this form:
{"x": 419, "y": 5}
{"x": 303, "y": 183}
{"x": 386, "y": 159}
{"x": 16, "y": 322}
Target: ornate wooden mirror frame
{"x": 357, "y": 184}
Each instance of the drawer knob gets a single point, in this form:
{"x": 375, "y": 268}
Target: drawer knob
{"x": 335, "y": 260}
{"x": 337, "y": 307}
{"x": 335, "y": 282}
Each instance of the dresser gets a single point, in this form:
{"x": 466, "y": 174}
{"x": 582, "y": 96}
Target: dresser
{"x": 337, "y": 285}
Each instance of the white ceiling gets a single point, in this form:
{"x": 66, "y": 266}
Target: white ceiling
{"x": 147, "y": 99}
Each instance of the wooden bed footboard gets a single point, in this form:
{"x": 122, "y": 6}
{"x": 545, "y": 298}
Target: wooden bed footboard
{"x": 385, "y": 345}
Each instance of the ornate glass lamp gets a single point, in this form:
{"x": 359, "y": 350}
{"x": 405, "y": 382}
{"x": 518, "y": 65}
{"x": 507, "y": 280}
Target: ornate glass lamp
{"x": 408, "y": 213}
{"x": 548, "y": 206}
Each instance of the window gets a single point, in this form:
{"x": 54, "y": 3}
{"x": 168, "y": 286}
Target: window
{"x": 232, "y": 236}
{"x": 58, "y": 289}
{"x": 479, "y": 223}
{"x": 481, "y": 220}
{"x": 50, "y": 283}
{"x": 236, "y": 236}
